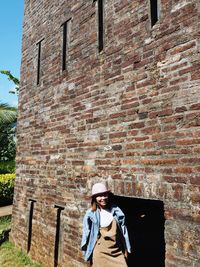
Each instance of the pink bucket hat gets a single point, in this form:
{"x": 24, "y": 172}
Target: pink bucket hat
{"x": 99, "y": 188}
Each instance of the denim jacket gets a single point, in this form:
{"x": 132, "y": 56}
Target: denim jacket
{"x": 91, "y": 225}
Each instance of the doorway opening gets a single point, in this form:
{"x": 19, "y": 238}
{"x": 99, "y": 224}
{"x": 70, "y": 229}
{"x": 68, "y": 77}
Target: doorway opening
{"x": 145, "y": 222}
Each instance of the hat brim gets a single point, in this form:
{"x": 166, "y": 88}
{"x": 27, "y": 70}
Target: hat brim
{"x": 95, "y": 195}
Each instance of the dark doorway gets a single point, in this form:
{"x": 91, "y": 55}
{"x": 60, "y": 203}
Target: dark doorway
{"x": 145, "y": 222}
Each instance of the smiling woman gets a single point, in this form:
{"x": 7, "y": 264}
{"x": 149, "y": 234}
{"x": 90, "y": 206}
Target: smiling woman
{"x": 105, "y": 240}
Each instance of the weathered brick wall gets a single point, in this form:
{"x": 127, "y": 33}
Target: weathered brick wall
{"x": 128, "y": 116}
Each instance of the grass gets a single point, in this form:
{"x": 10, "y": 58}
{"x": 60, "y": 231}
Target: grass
{"x": 10, "y": 256}
{"x": 4, "y": 223}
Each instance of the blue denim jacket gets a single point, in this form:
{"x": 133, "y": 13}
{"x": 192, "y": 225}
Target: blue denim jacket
{"x": 91, "y": 225}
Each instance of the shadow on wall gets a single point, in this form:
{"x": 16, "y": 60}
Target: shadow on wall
{"x": 145, "y": 222}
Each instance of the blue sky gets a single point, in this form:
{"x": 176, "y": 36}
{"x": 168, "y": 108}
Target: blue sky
{"x": 11, "y": 21}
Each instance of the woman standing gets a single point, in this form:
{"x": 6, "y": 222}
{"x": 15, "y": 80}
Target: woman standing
{"x": 105, "y": 240}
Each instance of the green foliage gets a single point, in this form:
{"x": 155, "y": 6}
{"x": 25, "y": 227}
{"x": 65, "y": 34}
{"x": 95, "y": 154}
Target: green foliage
{"x": 13, "y": 79}
{"x": 7, "y": 167}
{"x": 8, "y": 118}
{"x": 5, "y": 223}
{"x": 6, "y": 188}
{"x": 7, "y": 142}
{"x": 8, "y": 114}
{"x": 4, "y": 228}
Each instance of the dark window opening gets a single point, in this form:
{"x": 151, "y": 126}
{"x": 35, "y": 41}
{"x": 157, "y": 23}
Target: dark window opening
{"x": 32, "y": 201}
{"x": 39, "y": 44}
{"x": 145, "y": 222}
{"x": 100, "y": 25}
{"x": 154, "y": 12}
{"x": 57, "y": 237}
{"x": 65, "y": 43}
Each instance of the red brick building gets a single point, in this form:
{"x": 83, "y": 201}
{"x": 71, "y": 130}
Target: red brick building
{"x": 110, "y": 91}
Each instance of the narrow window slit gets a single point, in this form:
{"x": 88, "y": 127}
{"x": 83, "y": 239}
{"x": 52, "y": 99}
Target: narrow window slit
{"x": 39, "y": 44}
{"x": 32, "y": 201}
{"x": 154, "y": 11}
{"x": 57, "y": 237}
{"x": 100, "y": 25}
{"x": 66, "y": 31}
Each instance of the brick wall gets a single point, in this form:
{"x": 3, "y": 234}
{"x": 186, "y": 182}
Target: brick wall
{"x": 128, "y": 116}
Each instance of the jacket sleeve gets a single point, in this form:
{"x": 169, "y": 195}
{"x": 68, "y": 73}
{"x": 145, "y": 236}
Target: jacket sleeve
{"x": 85, "y": 232}
{"x": 124, "y": 230}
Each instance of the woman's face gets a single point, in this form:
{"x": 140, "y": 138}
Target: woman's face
{"x": 102, "y": 200}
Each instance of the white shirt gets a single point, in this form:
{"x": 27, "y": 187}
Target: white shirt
{"x": 106, "y": 218}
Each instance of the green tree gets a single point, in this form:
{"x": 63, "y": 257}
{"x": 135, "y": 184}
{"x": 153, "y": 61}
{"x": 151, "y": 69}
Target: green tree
{"x": 7, "y": 142}
{"x": 13, "y": 79}
{"x": 8, "y": 114}
{"x": 8, "y": 118}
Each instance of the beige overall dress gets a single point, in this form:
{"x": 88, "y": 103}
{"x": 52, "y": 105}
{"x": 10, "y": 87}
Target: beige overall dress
{"x": 108, "y": 251}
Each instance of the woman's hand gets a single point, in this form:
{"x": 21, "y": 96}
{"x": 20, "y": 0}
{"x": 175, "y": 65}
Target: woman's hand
{"x": 126, "y": 254}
